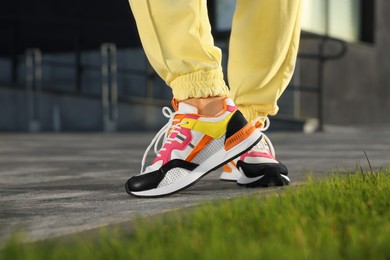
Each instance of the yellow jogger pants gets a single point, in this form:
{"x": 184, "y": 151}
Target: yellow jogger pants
{"x": 176, "y": 36}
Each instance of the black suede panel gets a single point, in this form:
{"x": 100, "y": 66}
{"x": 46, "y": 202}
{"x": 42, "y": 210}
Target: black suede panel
{"x": 252, "y": 170}
{"x": 237, "y": 122}
{"x": 151, "y": 180}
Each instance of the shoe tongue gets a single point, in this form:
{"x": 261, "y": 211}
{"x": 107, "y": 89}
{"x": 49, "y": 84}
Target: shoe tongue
{"x": 185, "y": 108}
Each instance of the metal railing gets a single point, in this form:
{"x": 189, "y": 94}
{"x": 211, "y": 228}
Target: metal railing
{"x": 33, "y": 88}
{"x": 321, "y": 56}
{"x": 109, "y": 86}
{"x": 108, "y": 69}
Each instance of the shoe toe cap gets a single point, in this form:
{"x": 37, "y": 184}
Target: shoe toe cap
{"x": 144, "y": 182}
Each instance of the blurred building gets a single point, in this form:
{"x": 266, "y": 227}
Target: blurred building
{"x": 79, "y": 66}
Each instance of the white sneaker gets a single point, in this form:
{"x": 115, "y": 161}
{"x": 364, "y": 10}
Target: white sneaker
{"x": 259, "y": 167}
{"x": 192, "y": 146}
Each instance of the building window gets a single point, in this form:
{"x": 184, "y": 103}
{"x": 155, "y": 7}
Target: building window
{"x": 350, "y": 20}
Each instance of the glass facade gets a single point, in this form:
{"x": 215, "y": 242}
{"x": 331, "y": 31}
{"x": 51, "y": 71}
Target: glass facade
{"x": 336, "y": 18}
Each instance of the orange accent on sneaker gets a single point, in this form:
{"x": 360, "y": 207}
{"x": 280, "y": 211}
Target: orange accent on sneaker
{"x": 239, "y": 136}
{"x": 175, "y": 104}
{"x": 199, "y": 147}
{"x": 227, "y": 168}
{"x": 258, "y": 124}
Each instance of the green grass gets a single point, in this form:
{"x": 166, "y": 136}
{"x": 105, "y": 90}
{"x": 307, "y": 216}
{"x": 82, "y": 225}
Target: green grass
{"x": 346, "y": 216}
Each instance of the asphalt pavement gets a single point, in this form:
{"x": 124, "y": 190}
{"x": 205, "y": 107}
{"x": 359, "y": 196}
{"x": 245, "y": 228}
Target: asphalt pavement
{"x": 58, "y": 184}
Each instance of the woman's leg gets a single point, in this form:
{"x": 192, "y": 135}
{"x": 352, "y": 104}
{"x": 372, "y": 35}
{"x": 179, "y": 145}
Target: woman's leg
{"x": 263, "y": 49}
{"x": 176, "y": 37}
{"x": 262, "y": 54}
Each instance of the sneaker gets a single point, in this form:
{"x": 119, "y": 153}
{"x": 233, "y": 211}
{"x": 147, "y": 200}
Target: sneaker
{"x": 193, "y": 145}
{"x": 259, "y": 167}
{"x": 230, "y": 171}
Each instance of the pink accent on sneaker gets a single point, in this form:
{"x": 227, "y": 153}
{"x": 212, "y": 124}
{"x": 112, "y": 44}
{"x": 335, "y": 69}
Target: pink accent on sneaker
{"x": 165, "y": 155}
{"x": 256, "y": 154}
{"x": 192, "y": 116}
{"x": 231, "y": 108}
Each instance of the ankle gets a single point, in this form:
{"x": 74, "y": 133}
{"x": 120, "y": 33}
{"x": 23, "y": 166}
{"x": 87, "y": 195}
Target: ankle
{"x": 207, "y": 106}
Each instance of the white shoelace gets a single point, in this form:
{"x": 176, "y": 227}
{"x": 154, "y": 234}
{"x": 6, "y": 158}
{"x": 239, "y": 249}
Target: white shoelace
{"x": 168, "y": 113}
{"x": 265, "y": 126}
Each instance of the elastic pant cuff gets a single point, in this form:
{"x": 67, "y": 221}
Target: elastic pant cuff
{"x": 251, "y": 112}
{"x": 199, "y": 84}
